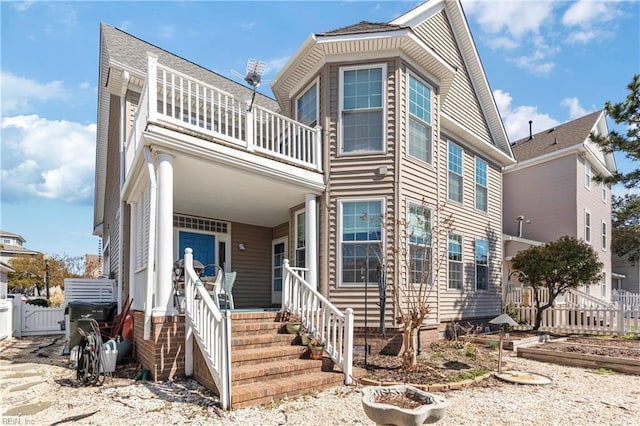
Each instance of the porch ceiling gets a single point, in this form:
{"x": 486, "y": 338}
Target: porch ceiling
{"x": 222, "y": 191}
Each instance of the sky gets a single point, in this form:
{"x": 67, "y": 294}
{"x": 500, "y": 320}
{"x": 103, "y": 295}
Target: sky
{"x": 546, "y": 61}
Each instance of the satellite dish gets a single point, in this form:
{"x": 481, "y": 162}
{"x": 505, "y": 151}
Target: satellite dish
{"x": 253, "y": 76}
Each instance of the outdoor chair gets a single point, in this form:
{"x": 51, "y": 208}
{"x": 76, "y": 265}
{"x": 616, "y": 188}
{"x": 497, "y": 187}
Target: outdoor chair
{"x": 225, "y": 294}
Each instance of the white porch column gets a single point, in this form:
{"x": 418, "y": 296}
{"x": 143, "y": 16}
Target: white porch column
{"x": 164, "y": 243}
{"x": 311, "y": 249}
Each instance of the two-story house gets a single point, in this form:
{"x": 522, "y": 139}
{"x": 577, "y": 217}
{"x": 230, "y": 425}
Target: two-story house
{"x": 11, "y": 246}
{"x": 372, "y": 125}
{"x": 551, "y": 192}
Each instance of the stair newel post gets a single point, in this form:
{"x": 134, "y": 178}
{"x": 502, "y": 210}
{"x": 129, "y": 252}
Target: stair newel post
{"x": 286, "y": 285}
{"x": 188, "y": 330}
{"x": 225, "y": 393}
{"x": 348, "y": 347}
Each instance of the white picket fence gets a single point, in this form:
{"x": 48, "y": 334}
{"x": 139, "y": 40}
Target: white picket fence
{"x": 580, "y": 320}
{"x": 625, "y": 298}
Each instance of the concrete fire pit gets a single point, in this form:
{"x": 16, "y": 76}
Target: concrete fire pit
{"x": 402, "y": 405}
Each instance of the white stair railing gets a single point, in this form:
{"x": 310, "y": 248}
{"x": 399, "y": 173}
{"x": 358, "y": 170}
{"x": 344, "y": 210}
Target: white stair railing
{"x": 581, "y": 299}
{"x": 321, "y": 318}
{"x": 212, "y": 329}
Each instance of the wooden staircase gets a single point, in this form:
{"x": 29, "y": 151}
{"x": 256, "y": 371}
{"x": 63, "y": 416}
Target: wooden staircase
{"x": 267, "y": 365}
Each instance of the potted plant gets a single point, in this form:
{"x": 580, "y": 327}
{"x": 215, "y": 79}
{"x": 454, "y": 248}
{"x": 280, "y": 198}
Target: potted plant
{"x": 293, "y": 325}
{"x": 316, "y": 347}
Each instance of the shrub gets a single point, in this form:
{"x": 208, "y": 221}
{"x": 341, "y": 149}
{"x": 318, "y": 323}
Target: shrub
{"x": 39, "y": 302}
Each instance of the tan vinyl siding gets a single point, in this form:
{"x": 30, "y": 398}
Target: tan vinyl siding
{"x": 472, "y": 224}
{"x": 357, "y": 177}
{"x": 252, "y": 288}
{"x": 461, "y": 103}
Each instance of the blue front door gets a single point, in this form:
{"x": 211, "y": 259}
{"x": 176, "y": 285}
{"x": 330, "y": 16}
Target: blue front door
{"x": 204, "y": 246}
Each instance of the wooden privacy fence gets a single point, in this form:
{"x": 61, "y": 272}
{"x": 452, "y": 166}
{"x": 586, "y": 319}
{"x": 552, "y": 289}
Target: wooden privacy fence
{"x": 579, "y": 320}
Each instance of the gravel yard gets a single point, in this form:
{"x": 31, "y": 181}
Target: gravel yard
{"x": 36, "y": 380}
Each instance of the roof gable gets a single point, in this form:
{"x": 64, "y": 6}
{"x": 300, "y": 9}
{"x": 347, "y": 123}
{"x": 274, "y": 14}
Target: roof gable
{"x": 363, "y": 27}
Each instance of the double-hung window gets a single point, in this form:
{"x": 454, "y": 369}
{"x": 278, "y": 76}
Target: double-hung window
{"x": 301, "y": 240}
{"x": 455, "y": 261}
{"x": 420, "y": 145}
{"x": 604, "y": 235}
{"x": 482, "y": 265}
{"x": 587, "y": 227}
{"x": 482, "y": 184}
{"x": 587, "y": 175}
{"x": 605, "y": 194}
{"x": 455, "y": 172}
{"x": 419, "y": 240}
{"x": 360, "y": 240}
{"x": 362, "y": 109}
{"x": 307, "y": 106}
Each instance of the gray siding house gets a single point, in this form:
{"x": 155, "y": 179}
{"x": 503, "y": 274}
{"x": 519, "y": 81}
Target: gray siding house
{"x": 551, "y": 192}
{"x": 393, "y": 121}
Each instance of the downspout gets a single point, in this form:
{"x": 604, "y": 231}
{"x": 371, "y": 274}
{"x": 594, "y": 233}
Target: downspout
{"x": 151, "y": 262}
{"x": 123, "y": 137}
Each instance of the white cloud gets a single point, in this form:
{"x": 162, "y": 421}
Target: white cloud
{"x": 575, "y": 109}
{"x": 47, "y": 159}
{"x": 516, "y": 18}
{"x": 247, "y": 25}
{"x": 516, "y": 119}
{"x": 21, "y": 6}
{"x": 275, "y": 65}
{"x": 586, "y": 13}
{"x": 587, "y": 18}
{"x": 18, "y": 92}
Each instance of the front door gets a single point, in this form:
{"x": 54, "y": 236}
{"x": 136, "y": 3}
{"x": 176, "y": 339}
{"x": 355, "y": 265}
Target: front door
{"x": 278, "y": 254}
{"x": 203, "y": 245}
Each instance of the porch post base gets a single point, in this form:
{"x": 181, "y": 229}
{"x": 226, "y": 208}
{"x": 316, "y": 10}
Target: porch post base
{"x": 164, "y": 353}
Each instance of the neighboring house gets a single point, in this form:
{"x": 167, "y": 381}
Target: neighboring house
{"x": 5, "y": 269}
{"x": 12, "y": 245}
{"x": 628, "y": 274}
{"x": 377, "y": 119}
{"x": 550, "y": 192}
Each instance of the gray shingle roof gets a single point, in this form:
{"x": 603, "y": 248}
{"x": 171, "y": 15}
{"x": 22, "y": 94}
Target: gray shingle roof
{"x": 363, "y": 28}
{"x": 556, "y": 138}
{"x": 131, "y": 51}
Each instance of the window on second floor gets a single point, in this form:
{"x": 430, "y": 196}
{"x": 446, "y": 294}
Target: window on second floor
{"x": 455, "y": 172}
{"x": 587, "y": 175}
{"x": 604, "y": 235}
{"x": 482, "y": 184}
{"x": 307, "y": 106}
{"x": 419, "y": 97}
{"x": 360, "y": 240}
{"x": 362, "y": 109}
{"x": 482, "y": 264}
{"x": 455, "y": 261}
{"x": 301, "y": 240}
{"x": 419, "y": 241}
{"x": 587, "y": 227}
{"x": 605, "y": 193}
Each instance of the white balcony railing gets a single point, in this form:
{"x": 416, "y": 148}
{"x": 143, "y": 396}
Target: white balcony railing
{"x": 174, "y": 98}
{"x": 321, "y": 318}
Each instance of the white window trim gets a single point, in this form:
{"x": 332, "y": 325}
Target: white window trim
{"x": 588, "y": 175}
{"x": 316, "y": 81}
{"x": 408, "y": 118}
{"x": 458, "y": 290}
{"x": 604, "y": 235}
{"x": 296, "y": 216}
{"x": 383, "y": 66}
{"x": 475, "y": 183}
{"x": 605, "y": 192}
{"x": 475, "y": 264}
{"x": 408, "y": 205}
{"x": 449, "y": 143}
{"x": 590, "y": 227}
{"x": 340, "y": 203}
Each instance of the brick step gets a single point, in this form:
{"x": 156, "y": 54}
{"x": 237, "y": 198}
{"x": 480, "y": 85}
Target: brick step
{"x": 251, "y": 328}
{"x": 258, "y": 316}
{"x": 273, "y": 370}
{"x": 249, "y": 341}
{"x": 264, "y": 392}
{"x": 265, "y": 354}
